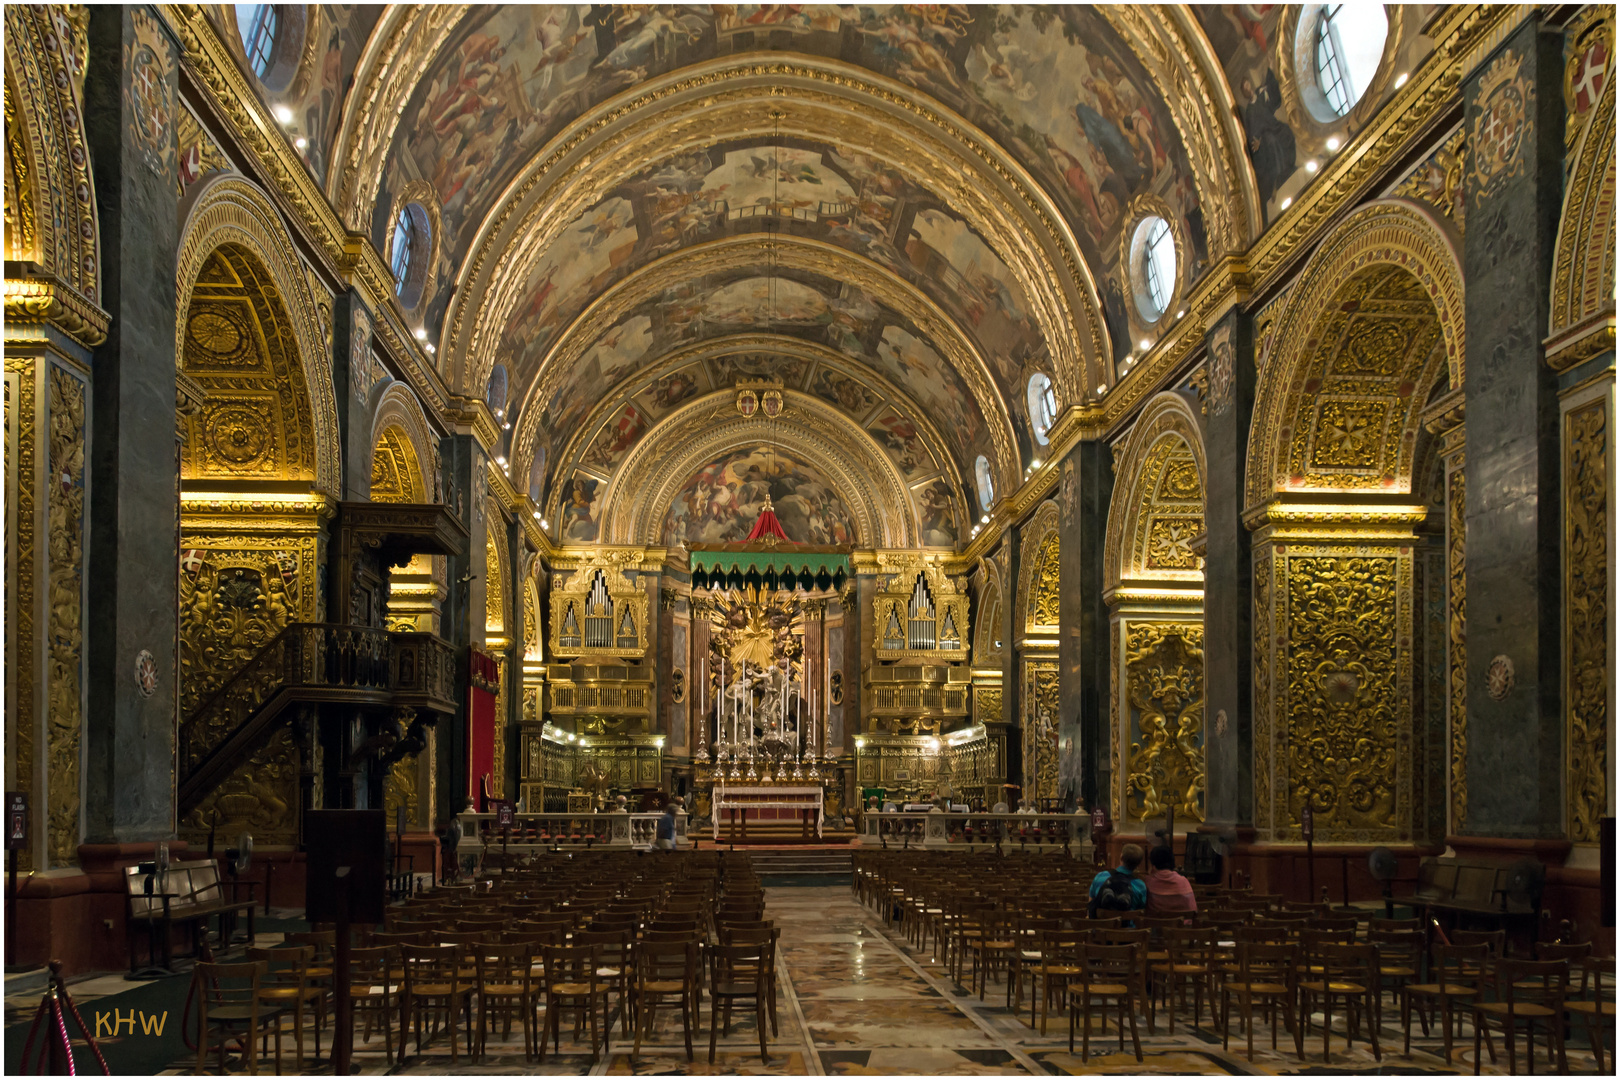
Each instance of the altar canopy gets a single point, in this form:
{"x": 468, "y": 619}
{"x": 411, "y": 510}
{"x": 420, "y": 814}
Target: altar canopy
{"x": 763, "y": 565}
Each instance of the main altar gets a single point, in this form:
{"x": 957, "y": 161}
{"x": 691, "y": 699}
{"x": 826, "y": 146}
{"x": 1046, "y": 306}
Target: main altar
{"x": 762, "y": 751}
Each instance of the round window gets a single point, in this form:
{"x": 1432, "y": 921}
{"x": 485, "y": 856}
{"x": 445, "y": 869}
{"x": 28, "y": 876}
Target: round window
{"x": 1347, "y": 47}
{"x": 257, "y": 23}
{"x": 408, "y": 253}
{"x": 987, "y": 486}
{"x": 495, "y": 390}
{"x": 1153, "y": 266}
{"x": 1042, "y": 406}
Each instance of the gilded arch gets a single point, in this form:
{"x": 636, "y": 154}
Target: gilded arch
{"x": 1582, "y": 307}
{"x": 1376, "y": 316}
{"x": 495, "y": 605}
{"x": 873, "y": 491}
{"x": 1154, "y": 590}
{"x": 398, "y": 416}
{"x": 232, "y": 213}
{"x": 1038, "y": 588}
{"x": 1158, "y": 500}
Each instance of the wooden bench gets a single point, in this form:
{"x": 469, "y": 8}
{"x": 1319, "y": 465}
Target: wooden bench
{"x": 191, "y": 894}
{"x": 1470, "y": 891}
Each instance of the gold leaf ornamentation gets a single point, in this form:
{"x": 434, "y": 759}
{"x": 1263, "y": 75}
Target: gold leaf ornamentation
{"x": 65, "y": 626}
{"x": 1587, "y": 454}
{"x": 1165, "y": 662}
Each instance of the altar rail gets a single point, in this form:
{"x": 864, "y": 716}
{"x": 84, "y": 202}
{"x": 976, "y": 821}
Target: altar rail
{"x": 939, "y": 830}
{"x": 534, "y": 832}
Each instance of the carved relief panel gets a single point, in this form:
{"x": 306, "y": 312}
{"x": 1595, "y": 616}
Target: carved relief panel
{"x": 1164, "y": 669}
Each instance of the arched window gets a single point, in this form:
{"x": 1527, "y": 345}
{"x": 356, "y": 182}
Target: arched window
{"x": 257, "y": 24}
{"x": 495, "y": 390}
{"x": 1042, "y": 401}
{"x": 1159, "y": 263}
{"x": 987, "y": 486}
{"x": 404, "y": 243}
{"x": 1349, "y": 46}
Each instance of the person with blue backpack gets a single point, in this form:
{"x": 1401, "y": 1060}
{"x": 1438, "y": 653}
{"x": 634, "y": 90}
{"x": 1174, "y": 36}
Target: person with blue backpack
{"x": 1120, "y": 889}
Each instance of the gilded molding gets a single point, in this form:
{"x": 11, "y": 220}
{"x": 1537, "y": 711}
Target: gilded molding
{"x": 397, "y": 407}
{"x": 43, "y": 299}
{"x": 23, "y": 668}
{"x": 1039, "y": 587}
{"x": 1164, "y": 669}
{"x": 1588, "y": 627}
{"x": 1457, "y": 638}
{"x": 397, "y": 56}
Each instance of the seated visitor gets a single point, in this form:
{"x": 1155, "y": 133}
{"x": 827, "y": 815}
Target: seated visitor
{"x": 1120, "y": 889}
{"x": 1169, "y": 893}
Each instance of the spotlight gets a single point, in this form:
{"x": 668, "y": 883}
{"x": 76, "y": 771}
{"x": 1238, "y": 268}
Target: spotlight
{"x": 506, "y": 426}
{"x": 1332, "y": 143}
{"x": 1181, "y": 314}
{"x": 421, "y": 333}
{"x": 1035, "y": 464}
{"x": 985, "y": 520}
{"x": 1286, "y": 203}
{"x": 1310, "y": 166}
{"x": 537, "y": 513}
{"x": 544, "y": 524}
{"x": 1400, "y": 80}
{"x": 1145, "y": 344}
{"x": 300, "y": 142}
{"x": 284, "y": 114}
{"x": 499, "y": 460}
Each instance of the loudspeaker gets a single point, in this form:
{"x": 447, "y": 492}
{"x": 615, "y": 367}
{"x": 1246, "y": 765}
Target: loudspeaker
{"x": 348, "y": 857}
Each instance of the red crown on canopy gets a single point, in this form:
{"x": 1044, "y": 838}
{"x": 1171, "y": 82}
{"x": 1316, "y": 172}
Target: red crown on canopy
{"x": 768, "y": 529}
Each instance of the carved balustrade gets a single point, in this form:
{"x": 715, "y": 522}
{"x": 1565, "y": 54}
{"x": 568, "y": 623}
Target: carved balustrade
{"x": 535, "y": 832}
{"x": 943, "y": 830}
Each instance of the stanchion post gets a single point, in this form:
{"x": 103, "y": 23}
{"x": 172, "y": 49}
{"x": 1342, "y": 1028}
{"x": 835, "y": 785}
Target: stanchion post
{"x": 343, "y": 1004}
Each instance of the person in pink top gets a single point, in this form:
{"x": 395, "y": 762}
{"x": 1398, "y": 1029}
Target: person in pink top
{"x": 1168, "y": 892}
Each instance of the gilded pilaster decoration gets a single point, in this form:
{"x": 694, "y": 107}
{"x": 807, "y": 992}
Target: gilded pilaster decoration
{"x": 1438, "y": 180}
{"x": 1587, "y": 485}
{"x": 1457, "y": 623}
{"x": 1348, "y": 692}
{"x": 396, "y": 475}
{"x": 1048, "y": 594}
{"x": 1581, "y": 317}
{"x": 1117, "y": 781}
{"x": 1500, "y": 124}
{"x": 497, "y": 780}
{"x": 1040, "y": 729}
{"x": 1166, "y": 766}
{"x": 1263, "y": 634}
{"x": 261, "y": 797}
{"x": 494, "y": 591}
{"x": 1038, "y": 584}
{"x": 65, "y": 630}
{"x": 22, "y": 661}
{"x": 22, "y": 228}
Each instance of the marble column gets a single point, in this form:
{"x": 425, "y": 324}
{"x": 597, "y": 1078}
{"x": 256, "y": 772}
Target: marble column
{"x": 1513, "y": 113}
{"x": 351, "y": 384}
{"x": 1084, "y": 731}
{"x": 131, "y": 616}
{"x": 1012, "y": 674}
{"x": 1228, "y": 578}
{"x": 461, "y": 459}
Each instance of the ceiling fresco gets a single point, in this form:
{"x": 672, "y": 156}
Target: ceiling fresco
{"x": 808, "y": 308}
{"x": 1055, "y": 86}
{"x": 719, "y": 503}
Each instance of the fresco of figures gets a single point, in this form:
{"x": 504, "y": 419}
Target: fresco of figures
{"x": 721, "y": 501}
{"x": 1055, "y": 86}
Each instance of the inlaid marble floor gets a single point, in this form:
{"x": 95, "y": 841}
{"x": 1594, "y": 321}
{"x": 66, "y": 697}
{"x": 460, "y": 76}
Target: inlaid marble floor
{"x": 855, "y": 999}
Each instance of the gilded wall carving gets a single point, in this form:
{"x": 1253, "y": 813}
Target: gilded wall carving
{"x": 1438, "y": 180}
{"x": 1263, "y": 773}
{"x": 1582, "y": 308}
{"x": 1588, "y": 628}
{"x": 1040, "y": 729}
{"x": 396, "y": 475}
{"x": 1165, "y": 662}
{"x": 22, "y": 724}
{"x": 400, "y": 790}
{"x": 1039, "y": 588}
{"x": 1457, "y": 633}
{"x": 65, "y": 629}
{"x": 1348, "y": 692}
{"x": 260, "y": 797}
{"x": 494, "y": 584}
{"x": 1157, "y": 506}
{"x": 234, "y": 599}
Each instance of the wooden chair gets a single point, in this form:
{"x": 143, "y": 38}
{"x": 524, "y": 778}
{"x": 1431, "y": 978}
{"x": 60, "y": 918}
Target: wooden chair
{"x": 1348, "y": 973}
{"x": 231, "y": 1010}
{"x": 1190, "y": 960}
{"x": 993, "y": 948}
{"x": 617, "y": 965}
{"x": 1400, "y": 958}
{"x": 433, "y": 985}
{"x": 766, "y": 937}
{"x": 1530, "y": 992}
{"x": 1055, "y": 967}
{"x": 1110, "y": 975}
{"x": 1456, "y": 971}
{"x": 737, "y": 973}
{"x": 287, "y": 982}
{"x": 1595, "y": 1006}
{"x": 1266, "y": 971}
{"x": 665, "y": 972}
{"x": 505, "y": 986}
{"x": 373, "y": 990}
{"x": 573, "y": 984}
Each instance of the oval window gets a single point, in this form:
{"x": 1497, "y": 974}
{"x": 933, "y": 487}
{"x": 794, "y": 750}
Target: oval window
{"x": 1349, "y": 48}
{"x": 987, "y": 486}
{"x": 257, "y": 24}
{"x": 1153, "y": 266}
{"x": 409, "y": 248}
{"x": 495, "y": 390}
{"x": 1042, "y": 403}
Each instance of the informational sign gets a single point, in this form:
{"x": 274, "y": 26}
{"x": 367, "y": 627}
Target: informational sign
{"x": 1307, "y": 822}
{"x": 16, "y": 820}
{"x": 505, "y": 814}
